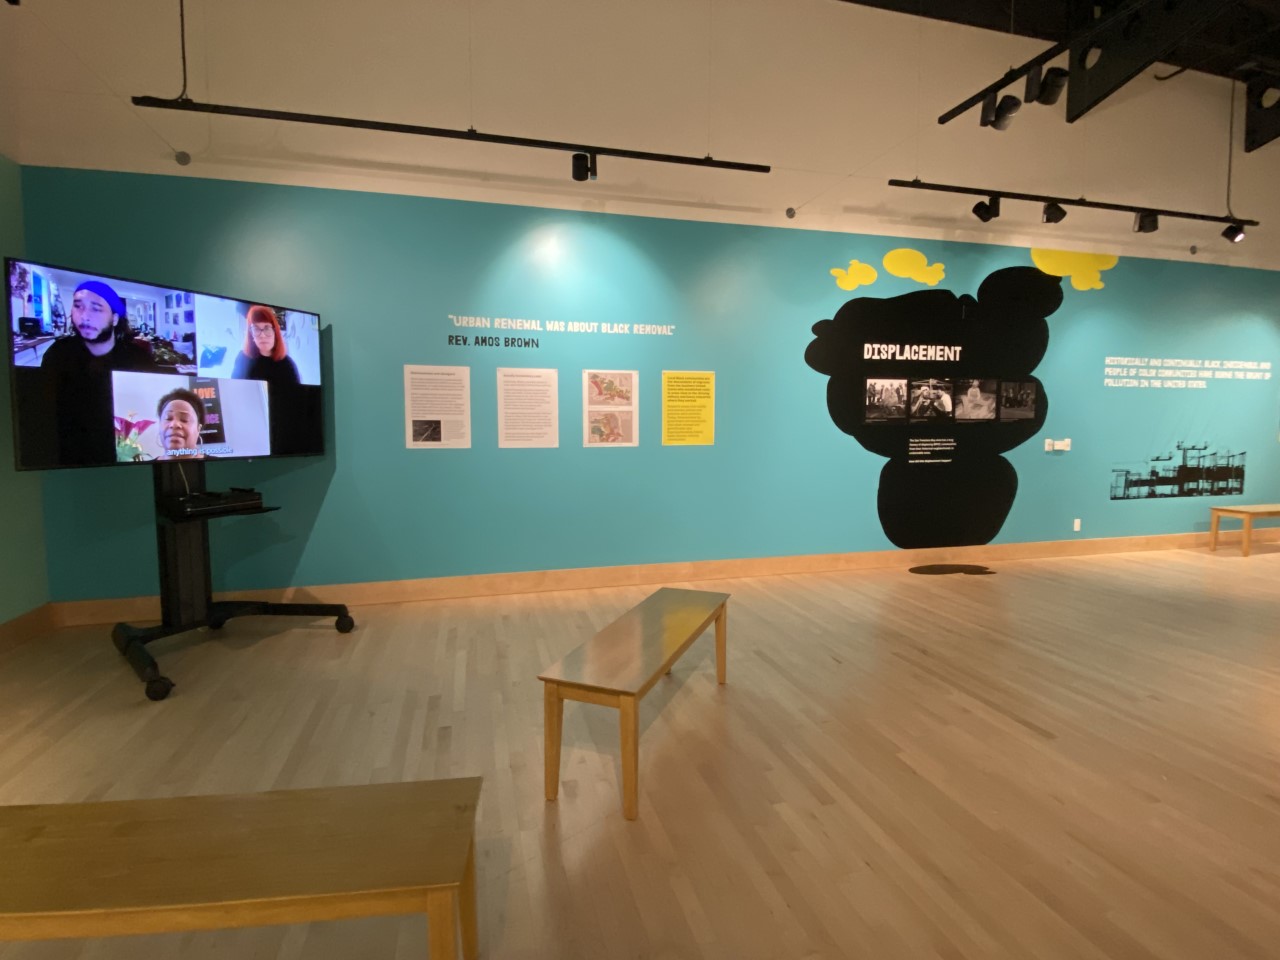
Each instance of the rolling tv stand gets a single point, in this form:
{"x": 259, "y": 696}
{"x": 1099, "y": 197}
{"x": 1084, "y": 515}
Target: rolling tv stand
{"x": 186, "y": 590}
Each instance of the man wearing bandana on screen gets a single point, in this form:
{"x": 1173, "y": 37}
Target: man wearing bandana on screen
{"x": 101, "y": 340}
{"x": 81, "y": 363}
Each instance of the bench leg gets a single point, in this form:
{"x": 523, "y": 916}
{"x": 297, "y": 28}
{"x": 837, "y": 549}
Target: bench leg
{"x": 442, "y": 916}
{"x": 722, "y": 637}
{"x": 1214, "y": 519}
{"x": 467, "y": 908}
{"x": 553, "y": 722}
{"x": 1248, "y": 535}
{"x": 630, "y": 756}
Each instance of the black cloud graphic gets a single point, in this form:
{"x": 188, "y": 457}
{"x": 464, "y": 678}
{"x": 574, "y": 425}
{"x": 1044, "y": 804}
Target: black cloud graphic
{"x": 945, "y": 482}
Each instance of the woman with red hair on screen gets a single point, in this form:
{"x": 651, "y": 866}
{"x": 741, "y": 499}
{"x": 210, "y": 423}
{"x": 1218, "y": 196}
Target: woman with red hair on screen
{"x": 264, "y": 356}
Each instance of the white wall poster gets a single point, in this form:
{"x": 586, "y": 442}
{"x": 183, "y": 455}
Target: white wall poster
{"x": 437, "y": 407}
{"x": 528, "y": 408}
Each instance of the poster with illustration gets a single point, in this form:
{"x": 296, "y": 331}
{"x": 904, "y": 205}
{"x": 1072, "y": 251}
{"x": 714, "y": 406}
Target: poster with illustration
{"x": 610, "y": 408}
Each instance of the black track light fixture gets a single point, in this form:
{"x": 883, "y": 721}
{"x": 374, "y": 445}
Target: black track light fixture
{"x": 987, "y": 210}
{"x": 999, "y": 113}
{"x": 1005, "y": 109}
{"x": 584, "y": 166}
{"x": 1234, "y": 232}
{"x": 1145, "y": 221}
{"x": 1052, "y": 86}
{"x": 1053, "y": 213}
{"x": 1045, "y": 86}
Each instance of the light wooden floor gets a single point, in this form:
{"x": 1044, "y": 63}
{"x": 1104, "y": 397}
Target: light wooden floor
{"x": 1074, "y": 758}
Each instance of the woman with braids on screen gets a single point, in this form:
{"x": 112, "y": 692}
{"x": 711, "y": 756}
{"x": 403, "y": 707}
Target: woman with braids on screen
{"x": 264, "y": 356}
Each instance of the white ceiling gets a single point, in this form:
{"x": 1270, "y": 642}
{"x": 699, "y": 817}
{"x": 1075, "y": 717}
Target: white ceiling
{"x": 837, "y": 98}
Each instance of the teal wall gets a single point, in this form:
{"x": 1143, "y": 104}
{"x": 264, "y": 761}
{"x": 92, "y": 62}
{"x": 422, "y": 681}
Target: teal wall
{"x": 24, "y": 584}
{"x": 385, "y": 272}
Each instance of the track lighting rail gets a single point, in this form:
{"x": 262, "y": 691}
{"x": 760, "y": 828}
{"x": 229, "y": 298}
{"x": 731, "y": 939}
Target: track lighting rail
{"x": 1068, "y": 202}
{"x": 220, "y": 109}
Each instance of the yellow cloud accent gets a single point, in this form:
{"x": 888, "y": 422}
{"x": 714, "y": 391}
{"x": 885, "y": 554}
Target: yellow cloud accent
{"x": 1084, "y": 269}
{"x": 913, "y": 265}
{"x": 858, "y": 275}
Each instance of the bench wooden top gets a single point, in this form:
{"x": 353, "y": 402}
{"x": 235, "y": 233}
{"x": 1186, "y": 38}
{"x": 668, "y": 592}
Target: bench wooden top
{"x": 1261, "y": 510}
{"x": 629, "y": 655}
{"x": 193, "y": 863}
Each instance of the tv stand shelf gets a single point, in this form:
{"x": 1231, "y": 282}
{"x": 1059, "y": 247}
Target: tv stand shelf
{"x": 186, "y": 590}
{"x": 171, "y": 517}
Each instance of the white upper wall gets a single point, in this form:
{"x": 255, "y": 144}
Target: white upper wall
{"x": 838, "y": 98}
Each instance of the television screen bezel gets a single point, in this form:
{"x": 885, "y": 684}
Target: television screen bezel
{"x": 9, "y": 260}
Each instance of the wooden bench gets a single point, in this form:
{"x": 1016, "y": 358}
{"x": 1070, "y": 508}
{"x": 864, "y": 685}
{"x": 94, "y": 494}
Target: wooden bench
{"x": 619, "y": 665}
{"x": 204, "y": 863}
{"x": 1244, "y": 513}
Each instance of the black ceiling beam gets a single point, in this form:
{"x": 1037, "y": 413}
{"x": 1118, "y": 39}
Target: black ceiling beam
{"x": 1070, "y": 202}
{"x": 1128, "y": 40}
{"x": 1017, "y": 73}
{"x": 1043, "y": 20}
{"x": 195, "y": 106}
{"x": 1127, "y": 45}
{"x": 1261, "y": 123}
{"x": 1250, "y": 25}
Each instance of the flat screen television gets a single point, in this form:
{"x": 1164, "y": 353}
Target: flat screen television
{"x": 106, "y": 370}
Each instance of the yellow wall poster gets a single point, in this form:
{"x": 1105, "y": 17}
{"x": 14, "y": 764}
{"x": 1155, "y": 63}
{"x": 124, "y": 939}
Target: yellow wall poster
{"x": 688, "y": 408}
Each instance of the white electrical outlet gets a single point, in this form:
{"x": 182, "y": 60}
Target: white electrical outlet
{"x": 1076, "y": 525}
{"x": 1065, "y": 444}
{"x": 1048, "y": 445}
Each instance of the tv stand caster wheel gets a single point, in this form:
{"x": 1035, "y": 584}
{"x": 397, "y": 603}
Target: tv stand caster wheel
{"x": 158, "y": 688}
{"x": 345, "y": 624}
{"x": 217, "y": 623}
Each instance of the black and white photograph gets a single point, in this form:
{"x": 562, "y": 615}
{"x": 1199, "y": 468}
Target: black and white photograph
{"x": 931, "y": 399}
{"x": 426, "y": 431}
{"x": 1017, "y": 399}
{"x": 1188, "y": 470}
{"x": 886, "y": 400}
{"x": 975, "y": 400}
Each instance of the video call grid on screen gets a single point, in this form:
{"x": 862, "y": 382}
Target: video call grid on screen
{"x": 175, "y": 339}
